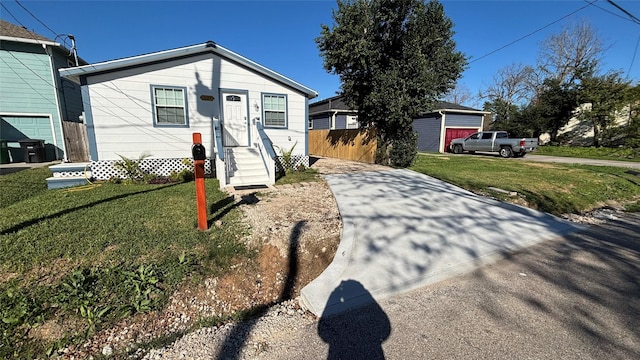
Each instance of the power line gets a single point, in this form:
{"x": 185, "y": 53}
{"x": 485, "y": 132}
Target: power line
{"x": 9, "y": 12}
{"x": 630, "y": 15}
{"x": 612, "y": 13}
{"x": 531, "y": 33}
{"x": 35, "y": 17}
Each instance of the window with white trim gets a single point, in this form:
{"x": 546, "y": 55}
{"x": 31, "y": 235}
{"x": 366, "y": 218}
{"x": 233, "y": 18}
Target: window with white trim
{"x": 352, "y": 122}
{"x": 274, "y": 110}
{"x": 169, "y": 106}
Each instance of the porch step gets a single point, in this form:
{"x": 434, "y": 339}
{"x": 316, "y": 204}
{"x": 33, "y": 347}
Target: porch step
{"x": 247, "y": 167}
{"x": 64, "y": 182}
{"x": 68, "y": 175}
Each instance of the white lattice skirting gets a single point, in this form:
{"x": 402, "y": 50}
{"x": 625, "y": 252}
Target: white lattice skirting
{"x": 105, "y": 169}
{"x": 296, "y": 161}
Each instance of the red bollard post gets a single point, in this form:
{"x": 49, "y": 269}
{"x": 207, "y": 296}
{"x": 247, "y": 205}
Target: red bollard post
{"x": 199, "y": 156}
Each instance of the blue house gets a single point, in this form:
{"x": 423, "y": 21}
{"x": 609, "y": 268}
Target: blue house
{"x": 34, "y": 99}
{"x": 435, "y": 128}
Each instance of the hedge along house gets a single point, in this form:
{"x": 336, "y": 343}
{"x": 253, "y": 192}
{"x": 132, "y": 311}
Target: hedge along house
{"x": 446, "y": 122}
{"x": 34, "y": 99}
{"x": 153, "y": 103}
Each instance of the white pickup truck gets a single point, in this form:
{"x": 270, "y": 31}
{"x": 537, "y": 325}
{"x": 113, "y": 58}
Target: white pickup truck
{"x": 494, "y": 141}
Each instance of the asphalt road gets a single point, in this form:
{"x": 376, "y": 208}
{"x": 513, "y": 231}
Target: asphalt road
{"x": 568, "y": 160}
{"x": 573, "y": 297}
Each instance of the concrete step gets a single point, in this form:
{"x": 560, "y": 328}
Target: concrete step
{"x": 65, "y": 182}
{"x": 247, "y": 167}
{"x": 71, "y": 170}
{"x": 70, "y": 167}
{"x": 249, "y": 180}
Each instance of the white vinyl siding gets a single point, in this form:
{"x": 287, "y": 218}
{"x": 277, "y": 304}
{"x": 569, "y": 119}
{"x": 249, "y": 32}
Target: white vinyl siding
{"x": 169, "y": 106}
{"x": 121, "y": 107}
{"x": 275, "y": 110}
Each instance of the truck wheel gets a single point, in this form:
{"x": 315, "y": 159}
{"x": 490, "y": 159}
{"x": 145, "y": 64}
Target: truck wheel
{"x": 506, "y": 152}
{"x": 457, "y": 149}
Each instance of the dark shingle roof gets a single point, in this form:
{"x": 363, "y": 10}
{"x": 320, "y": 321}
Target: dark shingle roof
{"x": 451, "y": 106}
{"x": 10, "y": 30}
{"x": 332, "y": 103}
{"x": 336, "y": 103}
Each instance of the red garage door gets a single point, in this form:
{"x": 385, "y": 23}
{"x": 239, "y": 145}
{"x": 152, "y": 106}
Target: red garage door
{"x": 451, "y": 134}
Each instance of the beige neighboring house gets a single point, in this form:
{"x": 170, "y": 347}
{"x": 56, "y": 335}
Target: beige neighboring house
{"x": 580, "y": 132}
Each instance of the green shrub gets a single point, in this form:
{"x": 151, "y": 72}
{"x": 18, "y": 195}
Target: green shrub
{"x": 404, "y": 150}
{"x": 131, "y": 167}
{"x": 287, "y": 158}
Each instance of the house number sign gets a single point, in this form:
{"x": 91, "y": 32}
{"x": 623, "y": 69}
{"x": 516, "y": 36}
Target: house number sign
{"x": 206, "y": 97}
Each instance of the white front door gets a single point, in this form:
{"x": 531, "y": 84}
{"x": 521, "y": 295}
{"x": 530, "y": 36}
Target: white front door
{"x": 235, "y": 123}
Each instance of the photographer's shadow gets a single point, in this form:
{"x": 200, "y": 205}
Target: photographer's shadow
{"x": 353, "y": 331}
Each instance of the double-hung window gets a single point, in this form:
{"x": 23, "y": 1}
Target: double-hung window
{"x": 169, "y": 106}
{"x": 275, "y": 110}
{"x": 352, "y": 122}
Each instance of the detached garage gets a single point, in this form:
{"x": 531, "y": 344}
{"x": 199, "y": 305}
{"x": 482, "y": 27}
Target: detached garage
{"x": 448, "y": 121}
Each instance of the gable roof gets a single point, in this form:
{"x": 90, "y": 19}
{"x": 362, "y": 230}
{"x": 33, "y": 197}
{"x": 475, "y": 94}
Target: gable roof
{"x": 15, "y": 33}
{"x": 10, "y": 30}
{"x": 335, "y": 103}
{"x": 329, "y": 104}
{"x": 78, "y": 73}
{"x": 451, "y": 107}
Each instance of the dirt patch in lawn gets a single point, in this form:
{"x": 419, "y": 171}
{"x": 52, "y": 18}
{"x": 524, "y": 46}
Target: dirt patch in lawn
{"x": 295, "y": 231}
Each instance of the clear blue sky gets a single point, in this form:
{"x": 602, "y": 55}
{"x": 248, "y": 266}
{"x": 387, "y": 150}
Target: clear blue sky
{"x": 280, "y": 34}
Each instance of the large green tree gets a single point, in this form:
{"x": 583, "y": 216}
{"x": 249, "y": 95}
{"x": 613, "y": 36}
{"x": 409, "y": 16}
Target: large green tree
{"x": 395, "y": 58}
{"x": 604, "y": 97}
{"x": 555, "y": 105}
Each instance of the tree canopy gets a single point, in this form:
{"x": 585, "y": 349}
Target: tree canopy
{"x": 395, "y": 58}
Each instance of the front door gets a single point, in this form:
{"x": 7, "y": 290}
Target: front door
{"x": 235, "y": 123}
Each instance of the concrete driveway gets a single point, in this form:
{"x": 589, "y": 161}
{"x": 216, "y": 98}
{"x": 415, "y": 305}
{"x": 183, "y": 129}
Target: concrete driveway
{"x": 403, "y": 230}
{"x": 572, "y": 297}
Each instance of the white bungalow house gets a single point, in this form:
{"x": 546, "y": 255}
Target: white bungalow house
{"x": 153, "y": 103}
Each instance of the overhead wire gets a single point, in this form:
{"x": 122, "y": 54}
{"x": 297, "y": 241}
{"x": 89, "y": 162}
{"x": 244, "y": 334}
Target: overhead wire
{"x": 532, "y": 33}
{"x": 35, "y": 17}
{"x": 107, "y": 109}
{"x": 630, "y": 15}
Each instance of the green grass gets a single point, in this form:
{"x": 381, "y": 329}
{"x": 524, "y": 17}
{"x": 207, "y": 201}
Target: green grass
{"x": 22, "y": 185}
{"x": 306, "y": 175}
{"x": 554, "y": 188}
{"x": 601, "y": 153}
{"x": 101, "y": 252}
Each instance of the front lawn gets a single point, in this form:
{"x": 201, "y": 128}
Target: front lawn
{"x": 554, "y": 188}
{"x": 601, "y": 153}
{"x": 93, "y": 255}
{"x": 22, "y": 184}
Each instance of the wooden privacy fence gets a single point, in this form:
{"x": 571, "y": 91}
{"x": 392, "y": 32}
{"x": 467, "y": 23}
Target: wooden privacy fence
{"x": 75, "y": 139}
{"x": 352, "y": 144}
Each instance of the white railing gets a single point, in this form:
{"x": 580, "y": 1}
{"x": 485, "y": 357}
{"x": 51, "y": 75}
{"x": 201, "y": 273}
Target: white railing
{"x": 221, "y": 172}
{"x": 264, "y": 145}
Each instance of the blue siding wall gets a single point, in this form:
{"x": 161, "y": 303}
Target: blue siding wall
{"x": 428, "y": 130}
{"x": 69, "y": 92}
{"x": 321, "y": 123}
{"x": 27, "y": 87}
{"x": 341, "y": 121}
{"x": 463, "y": 120}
